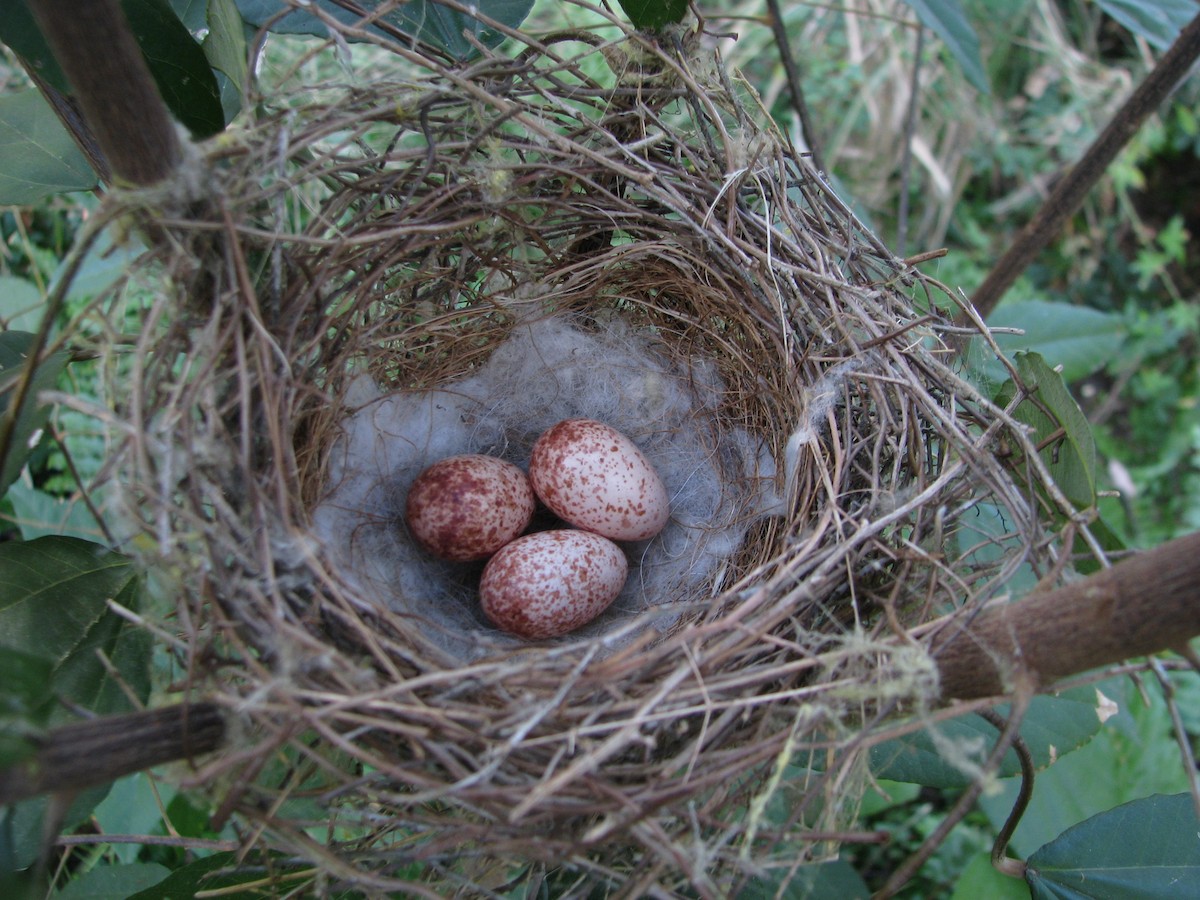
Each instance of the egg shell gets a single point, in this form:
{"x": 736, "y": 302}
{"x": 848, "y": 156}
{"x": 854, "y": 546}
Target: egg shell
{"x": 595, "y": 478}
{"x": 467, "y": 507}
{"x": 551, "y": 582}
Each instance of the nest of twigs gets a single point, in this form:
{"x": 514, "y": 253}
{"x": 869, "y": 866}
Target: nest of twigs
{"x": 365, "y": 247}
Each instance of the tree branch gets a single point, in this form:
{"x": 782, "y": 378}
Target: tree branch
{"x": 112, "y": 86}
{"x": 97, "y": 751}
{"x": 1143, "y": 605}
{"x": 1068, "y": 195}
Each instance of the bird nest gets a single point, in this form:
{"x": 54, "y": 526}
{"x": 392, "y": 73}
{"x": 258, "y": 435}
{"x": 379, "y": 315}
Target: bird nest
{"x": 597, "y": 224}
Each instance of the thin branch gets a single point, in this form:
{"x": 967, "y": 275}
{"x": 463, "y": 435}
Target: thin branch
{"x": 1008, "y": 734}
{"x": 1000, "y": 859}
{"x": 775, "y": 14}
{"x": 1068, "y": 195}
{"x": 910, "y": 130}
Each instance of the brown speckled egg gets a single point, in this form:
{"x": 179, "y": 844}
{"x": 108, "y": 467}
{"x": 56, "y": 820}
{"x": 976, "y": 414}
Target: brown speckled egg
{"x": 467, "y": 507}
{"x": 595, "y": 478}
{"x": 551, "y": 582}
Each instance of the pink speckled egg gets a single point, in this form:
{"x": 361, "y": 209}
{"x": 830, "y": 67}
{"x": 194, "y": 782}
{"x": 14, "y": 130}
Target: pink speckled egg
{"x": 551, "y": 582}
{"x": 595, "y": 478}
{"x": 467, "y": 507}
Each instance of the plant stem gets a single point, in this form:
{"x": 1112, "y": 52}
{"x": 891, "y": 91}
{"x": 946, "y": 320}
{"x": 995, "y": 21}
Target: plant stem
{"x": 1068, "y": 194}
{"x": 112, "y": 86}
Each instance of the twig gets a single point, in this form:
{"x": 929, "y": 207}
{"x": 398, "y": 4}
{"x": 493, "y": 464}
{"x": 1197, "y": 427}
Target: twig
{"x": 962, "y": 806}
{"x": 1069, "y": 193}
{"x": 1000, "y": 859}
{"x": 793, "y": 79}
{"x": 910, "y": 128}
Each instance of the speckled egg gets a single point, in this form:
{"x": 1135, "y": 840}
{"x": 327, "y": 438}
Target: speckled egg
{"x": 551, "y": 582}
{"x": 467, "y": 507}
{"x": 595, "y": 478}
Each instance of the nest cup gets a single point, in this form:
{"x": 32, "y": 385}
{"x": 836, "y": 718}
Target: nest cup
{"x": 598, "y": 224}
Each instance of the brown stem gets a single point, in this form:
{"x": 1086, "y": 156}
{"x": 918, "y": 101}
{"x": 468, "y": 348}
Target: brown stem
{"x": 112, "y": 85}
{"x": 792, "y": 72}
{"x": 97, "y": 751}
{"x": 1068, "y": 194}
{"x": 1143, "y": 605}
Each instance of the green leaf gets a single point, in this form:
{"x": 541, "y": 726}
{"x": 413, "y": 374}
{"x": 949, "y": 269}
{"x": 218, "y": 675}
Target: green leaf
{"x": 221, "y": 872}
{"x": 1141, "y": 850}
{"x": 37, "y": 514}
{"x": 25, "y": 702}
{"x": 831, "y": 879}
{"x": 980, "y": 879}
{"x": 180, "y": 69}
{"x": 20, "y": 304}
{"x": 651, "y": 15}
{"x": 948, "y": 20}
{"x": 54, "y": 594}
{"x": 1158, "y": 21}
{"x": 1078, "y": 338}
{"x": 225, "y": 46}
{"x": 21, "y": 828}
{"x": 1133, "y": 756}
{"x": 135, "y": 805}
{"x": 425, "y": 19}
{"x": 1058, "y": 426}
{"x": 32, "y": 417}
{"x": 37, "y": 155}
{"x": 20, "y": 33}
{"x": 1052, "y": 727}
{"x": 113, "y": 882}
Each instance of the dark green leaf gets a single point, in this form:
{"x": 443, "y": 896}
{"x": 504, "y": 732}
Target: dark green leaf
{"x": 1142, "y": 850}
{"x": 14, "y": 349}
{"x": 182, "y": 72}
{"x": 948, "y": 20}
{"x": 831, "y": 879}
{"x": 651, "y": 15}
{"x": 1058, "y": 426}
{"x": 21, "y": 827}
{"x": 20, "y": 33}
{"x": 113, "y": 882}
{"x": 53, "y": 602}
{"x": 37, "y": 155}
{"x": 1052, "y": 726}
{"x": 1078, "y": 338}
{"x": 221, "y": 872}
{"x": 25, "y": 702}
{"x": 1133, "y": 756}
{"x": 1158, "y": 21}
{"x": 425, "y": 19}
